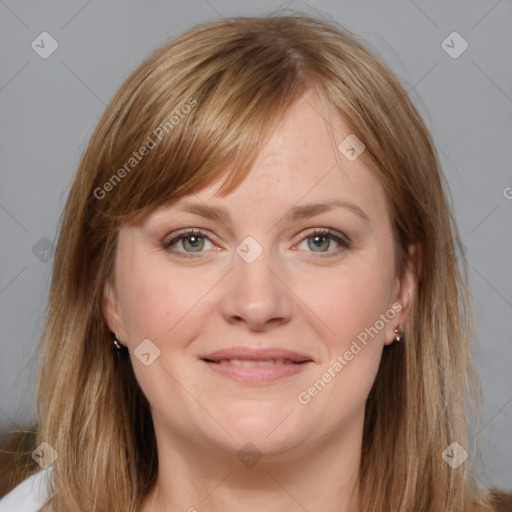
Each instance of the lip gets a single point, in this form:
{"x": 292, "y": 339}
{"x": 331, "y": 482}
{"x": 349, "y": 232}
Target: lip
{"x": 257, "y": 354}
{"x": 290, "y": 363}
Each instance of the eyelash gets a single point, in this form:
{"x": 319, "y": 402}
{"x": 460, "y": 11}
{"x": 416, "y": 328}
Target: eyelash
{"x": 343, "y": 240}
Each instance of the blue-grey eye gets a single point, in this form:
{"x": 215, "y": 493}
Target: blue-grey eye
{"x": 195, "y": 242}
{"x": 319, "y": 242}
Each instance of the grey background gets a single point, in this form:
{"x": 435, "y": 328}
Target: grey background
{"x": 49, "y": 107}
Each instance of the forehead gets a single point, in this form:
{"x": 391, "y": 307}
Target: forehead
{"x": 302, "y": 162}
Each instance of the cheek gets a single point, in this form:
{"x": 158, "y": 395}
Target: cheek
{"x": 165, "y": 307}
{"x": 350, "y": 300}
{"x": 157, "y": 302}
{"x": 351, "y": 310}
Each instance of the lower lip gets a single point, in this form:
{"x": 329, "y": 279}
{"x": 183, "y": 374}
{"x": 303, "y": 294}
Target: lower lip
{"x": 257, "y": 374}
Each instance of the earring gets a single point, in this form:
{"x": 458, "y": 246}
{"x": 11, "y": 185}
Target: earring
{"x": 398, "y": 336}
{"x": 116, "y": 343}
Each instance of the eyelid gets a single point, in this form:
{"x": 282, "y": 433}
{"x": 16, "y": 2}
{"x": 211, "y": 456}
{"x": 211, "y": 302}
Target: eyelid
{"x": 182, "y": 233}
{"x": 326, "y": 231}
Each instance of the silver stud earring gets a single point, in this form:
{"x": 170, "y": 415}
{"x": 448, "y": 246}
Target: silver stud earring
{"x": 116, "y": 343}
{"x": 398, "y": 336}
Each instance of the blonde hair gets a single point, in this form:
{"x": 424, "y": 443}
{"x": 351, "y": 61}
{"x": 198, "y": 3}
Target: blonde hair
{"x": 239, "y": 76}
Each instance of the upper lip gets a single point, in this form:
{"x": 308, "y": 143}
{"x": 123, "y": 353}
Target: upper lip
{"x": 256, "y": 354}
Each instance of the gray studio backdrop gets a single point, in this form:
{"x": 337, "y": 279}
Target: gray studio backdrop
{"x": 61, "y": 62}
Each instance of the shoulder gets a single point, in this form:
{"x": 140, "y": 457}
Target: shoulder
{"x": 29, "y": 496}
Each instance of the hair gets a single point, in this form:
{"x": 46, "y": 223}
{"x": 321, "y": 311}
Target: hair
{"x": 204, "y": 105}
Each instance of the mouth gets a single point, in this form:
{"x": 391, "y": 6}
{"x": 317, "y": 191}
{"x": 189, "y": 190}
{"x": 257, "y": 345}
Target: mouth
{"x": 250, "y": 363}
{"x": 256, "y": 366}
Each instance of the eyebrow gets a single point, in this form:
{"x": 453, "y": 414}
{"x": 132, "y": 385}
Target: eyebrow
{"x": 294, "y": 214}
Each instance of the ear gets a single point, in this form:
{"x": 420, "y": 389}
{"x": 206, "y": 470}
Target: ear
{"x": 111, "y": 310}
{"x": 404, "y": 292}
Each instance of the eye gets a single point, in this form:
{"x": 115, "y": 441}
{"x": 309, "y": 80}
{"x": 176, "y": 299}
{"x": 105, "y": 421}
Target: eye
{"x": 189, "y": 240}
{"x": 321, "y": 240}
{"x": 318, "y": 241}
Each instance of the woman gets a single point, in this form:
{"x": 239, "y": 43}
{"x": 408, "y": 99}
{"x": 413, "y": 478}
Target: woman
{"x": 260, "y": 223}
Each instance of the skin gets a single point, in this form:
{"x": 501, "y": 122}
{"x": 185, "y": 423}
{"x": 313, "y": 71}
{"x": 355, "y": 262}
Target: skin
{"x": 295, "y": 295}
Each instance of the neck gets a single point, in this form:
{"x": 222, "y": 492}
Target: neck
{"x": 321, "y": 475}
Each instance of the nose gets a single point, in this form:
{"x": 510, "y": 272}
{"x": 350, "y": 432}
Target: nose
{"x": 256, "y": 295}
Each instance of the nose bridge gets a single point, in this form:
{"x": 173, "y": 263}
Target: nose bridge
{"x": 255, "y": 295}
{"x": 252, "y": 269}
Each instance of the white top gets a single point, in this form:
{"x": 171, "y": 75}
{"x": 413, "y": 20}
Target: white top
{"x": 29, "y": 496}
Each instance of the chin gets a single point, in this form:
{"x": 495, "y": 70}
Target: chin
{"x": 270, "y": 434}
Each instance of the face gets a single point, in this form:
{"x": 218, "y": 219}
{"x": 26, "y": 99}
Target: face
{"x": 310, "y": 291}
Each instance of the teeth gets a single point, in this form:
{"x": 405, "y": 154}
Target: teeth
{"x": 240, "y": 362}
